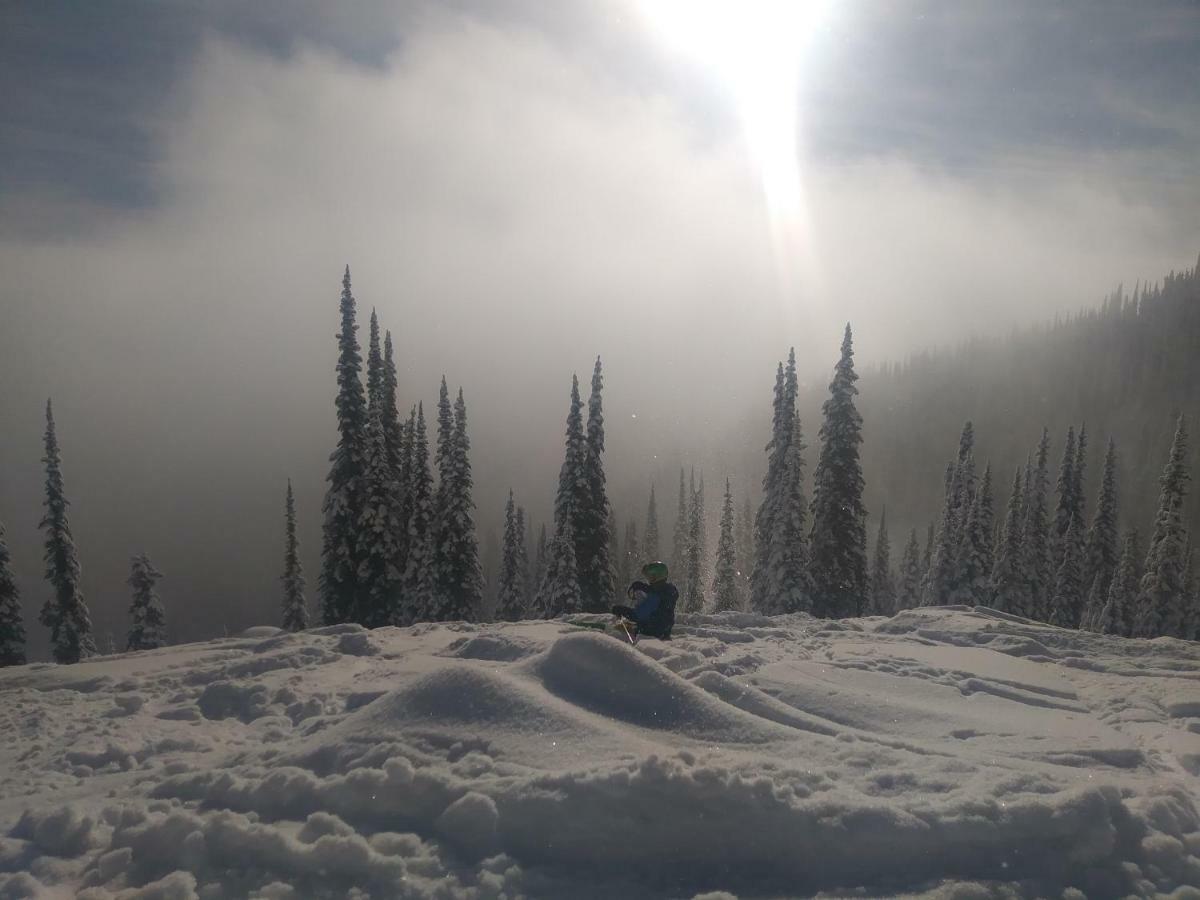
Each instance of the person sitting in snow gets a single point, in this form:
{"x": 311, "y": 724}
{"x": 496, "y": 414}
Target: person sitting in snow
{"x": 653, "y": 612}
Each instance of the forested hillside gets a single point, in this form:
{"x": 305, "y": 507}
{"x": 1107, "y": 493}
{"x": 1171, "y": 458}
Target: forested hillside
{"x": 1126, "y": 369}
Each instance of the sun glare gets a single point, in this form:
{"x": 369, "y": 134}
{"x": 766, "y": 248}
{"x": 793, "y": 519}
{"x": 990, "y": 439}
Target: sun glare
{"x": 756, "y": 48}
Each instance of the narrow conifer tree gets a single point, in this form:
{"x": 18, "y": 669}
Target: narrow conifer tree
{"x": 1066, "y": 603}
{"x": 397, "y": 437}
{"x": 593, "y": 535}
{"x": 380, "y": 568}
{"x": 679, "y": 545}
{"x": 1035, "y": 562}
{"x": 523, "y": 572}
{"x": 12, "y": 626}
{"x": 458, "y": 578}
{"x": 1065, "y": 508}
{"x": 693, "y": 599}
{"x": 1160, "y": 604}
{"x": 1008, "y": 586}
{"x": 650, "y": 549}
{"x": 148, "y": 621}
{"x": 725, "y": 582}
{"x": 927, "y": 556}
{"x": 65, "y": 614}
{"x": 839, "y": 541}
{"x": 883, "y": 586}
{"x": 1117, "y": 614}
{"x": 973, "y": 563}
{"x": 1079, "y": 480}
{"x": 338, "y": 584}
{"x": 295, "y": 609}
{"x": 510, "y": 596}
{"x": 744, "y": 541}
{"x": 540, "y": 560}
{"x": 559, "y": 594}
{"x": 908, "y": 592}
{"x": 419, "y": 568}
{"x": 789, "y": 586}
{"x": 1100, "y": 552}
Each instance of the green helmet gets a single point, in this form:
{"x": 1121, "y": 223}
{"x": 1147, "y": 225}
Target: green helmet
{"x": 655, "y": 571}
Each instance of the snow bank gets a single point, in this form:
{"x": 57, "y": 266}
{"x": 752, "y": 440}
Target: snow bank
{"x": 941, "y": 753}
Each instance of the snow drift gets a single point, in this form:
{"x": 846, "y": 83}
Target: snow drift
{"x": 942, "y": 752}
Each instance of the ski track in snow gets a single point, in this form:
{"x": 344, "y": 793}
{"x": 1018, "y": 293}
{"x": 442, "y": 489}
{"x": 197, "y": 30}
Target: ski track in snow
{"x": 944, "y": 752}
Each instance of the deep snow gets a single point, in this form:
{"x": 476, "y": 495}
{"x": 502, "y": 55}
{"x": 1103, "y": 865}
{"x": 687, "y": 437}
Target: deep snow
{"x": 943, "y": 752}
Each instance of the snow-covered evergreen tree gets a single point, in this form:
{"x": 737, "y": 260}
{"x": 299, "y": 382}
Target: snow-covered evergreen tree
{"x": 338, "y": 584}
{"x": 927, "y": 556}
{"x": 65, "y": 614}
{"x": 523, "y": 571}
{"x": 12, "y": 625}
{"x": 1035, "y": 553}
{"x": 419, "y": 567}
{"x": 692, "y": 598}
{"x": 1079, "y": 481}
{"x": 775, "y": 521}
{"x": 725, "y": 582}
{"x": 1117, "y": 614}
{"x": 397, "y": 435}
{"x": 1008, "y": 586}
{"x": 559, "y": 594}
{"x": 540, "y": 561}
{"x": 908, "y": 590}
{"x": 1101, "y": 553}
{"x": 380, "y": 568}
{"x": 457, "y": 576}
{"x": 838, "y": 563}
{"x": 973, "y": 563}
{"x": 148, "y": 620}
{"x": 679, "y": 542}
{"x": 649, "y": 548}
{"x": 295, "y": 609}
{"x": 510, "y": 596}
{"x": 1161, "y": 601}
{"x": 1066, "y": 603}
{"x": 614, "y": 550}
{"x": 1065, "y": 508}
{"x": 591, "y": 525}
{"x": 883, "y": 586}
{"x": 939, "y": 579}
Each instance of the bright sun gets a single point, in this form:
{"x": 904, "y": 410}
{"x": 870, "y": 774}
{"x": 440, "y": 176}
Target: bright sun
{"x": 757, "y": 48}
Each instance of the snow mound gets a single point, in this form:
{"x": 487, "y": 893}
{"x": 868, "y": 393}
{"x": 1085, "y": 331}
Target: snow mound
{"x": 604, "y": 676}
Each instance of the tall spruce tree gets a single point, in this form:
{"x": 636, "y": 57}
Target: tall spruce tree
{"x": 65, "y": 614}
{"x": 725, "y": 582}
{"x": 744, "y": 541}
{"x": 1035, "y": 554}
{"x": 523, "y": 572}
{"x": 592, "y": 531}
{"x": 679, "y": 542}
{"x": 338, "y": 585}
{"x": 883, "y": 586}
{"x": 927, "y": 556}
{"x": 839, "y": 541}
{"x": 380, "y": 568}
{"x": 693, "y": 599}
{"x": 650, "y": 548}
{"x": 457, "y": 576}
{"x": 419, "y": 567}
{"x": 12, "y": 626}
{"x": 775, "y": 521}
{"x": 1100, "y": 551}
{"x": 571, "y": 497}
{"x": 559, "y": 594}
{"x": 973, "y": 564}
{"x": 540, "y": 561}
{"x": 1065, "y": 509}
{"x": 1079, "y": 481}
{"x": 397, "y": 437}
{"x": 295, "y": 609}
{"x": 1161, "y": 601}
{"x": 908, "y": 591}
{"x": 148, "y": 620}
{"x": 940, "y": 584}
{"x": 1066, "y": 603}
{"x": 1008, "y": 585}
{"x": 1117, "y": 614}
{"x": 510, "y": 596}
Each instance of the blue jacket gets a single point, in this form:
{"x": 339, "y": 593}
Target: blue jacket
{"x": 655, "y": 613}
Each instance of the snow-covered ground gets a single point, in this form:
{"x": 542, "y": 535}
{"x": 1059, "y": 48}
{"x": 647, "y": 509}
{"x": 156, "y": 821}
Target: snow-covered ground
{"x": 944, "y": 752}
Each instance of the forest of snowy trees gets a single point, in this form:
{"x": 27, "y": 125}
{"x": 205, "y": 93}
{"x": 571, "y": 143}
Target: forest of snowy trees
{"x": 1013, "y": 529}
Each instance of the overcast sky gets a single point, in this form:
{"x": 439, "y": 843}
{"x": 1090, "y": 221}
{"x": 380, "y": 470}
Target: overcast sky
{"x": 518, "y": 187}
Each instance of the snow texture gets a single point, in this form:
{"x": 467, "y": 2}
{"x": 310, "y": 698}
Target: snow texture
{"x": 942, "y": 752}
